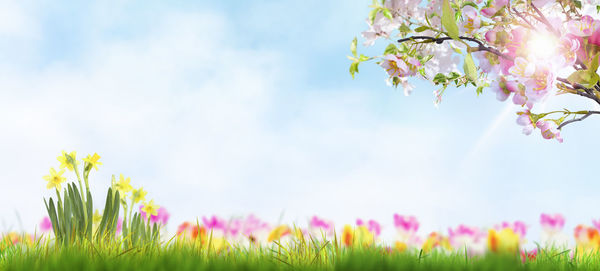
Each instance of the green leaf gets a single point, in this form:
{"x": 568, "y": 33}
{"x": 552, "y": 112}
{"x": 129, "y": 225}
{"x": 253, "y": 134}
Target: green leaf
{"x": 470, "y": 4}
{"x": 391, "y": 49}
{"x": 585, "y": 78}
{"x": 469, "y": 68}
{"x": 387, "y": 13}
{"x": 90, "y": 215}
{"x": 354, "y": 68}
{"x": 421, "y": 29}
{"x": 479, "y": 90}
{"x": 353, "y": 46}
{"x": 405, "y": 29}
{"x": 448, "y": 20}
{"x": 373, "y": 14}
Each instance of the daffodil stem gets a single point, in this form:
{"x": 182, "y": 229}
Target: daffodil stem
{"x": 83, "y": 196}
{"x": 59, "y": 198}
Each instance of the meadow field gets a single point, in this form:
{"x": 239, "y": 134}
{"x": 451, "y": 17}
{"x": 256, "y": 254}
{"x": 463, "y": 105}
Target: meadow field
{"x": 129, "y": 233}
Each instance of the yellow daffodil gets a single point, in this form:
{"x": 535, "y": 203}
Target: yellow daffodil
{"x": 278, "y": 232}
{"x": 436, "y": 240}
{"x": 503, "y": 241}
{"x": 400, "y": 246}
{"x": 138, "y": 195}
{"x": 123, "y": 185}
{"x": 93, "y": 160}
{"x": 55, "y": 179}
{"x": 150, "y": 208}
{"x": 348, "y": 235}
{"x": 64, "y": 161}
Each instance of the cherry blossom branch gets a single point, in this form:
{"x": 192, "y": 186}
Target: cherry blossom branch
{"x": 589, "y": 113}
{"x": 543, "y": 20}
{"x": 481, "y": 46}
{"x": 587, "y": 92}
{"x": 520, "y": 15}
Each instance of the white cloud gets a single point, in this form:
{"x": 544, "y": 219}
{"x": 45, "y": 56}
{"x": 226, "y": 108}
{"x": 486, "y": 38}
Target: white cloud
{"x": 194, "y": 120}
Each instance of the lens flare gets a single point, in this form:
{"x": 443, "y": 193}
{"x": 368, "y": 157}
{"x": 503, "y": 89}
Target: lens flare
{"x": 542, "y": 45}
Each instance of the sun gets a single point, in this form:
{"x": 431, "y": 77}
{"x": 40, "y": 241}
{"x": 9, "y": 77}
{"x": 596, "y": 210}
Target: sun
{"x": 542, "y": 46}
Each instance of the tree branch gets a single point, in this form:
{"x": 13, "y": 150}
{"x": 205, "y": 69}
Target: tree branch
{"x": 587, "y": 92}
{"x": 545, "y": 21}
{"x": 589, "y": 113}
{"x": 480, "y": 47}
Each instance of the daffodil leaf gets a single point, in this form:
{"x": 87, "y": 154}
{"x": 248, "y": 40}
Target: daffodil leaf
{"x": 448, "y": 20}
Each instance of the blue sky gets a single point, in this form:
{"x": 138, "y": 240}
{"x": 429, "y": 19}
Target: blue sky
{"x": 244, "y": 107}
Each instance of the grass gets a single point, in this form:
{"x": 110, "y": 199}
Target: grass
{"x": 179, "y": 255}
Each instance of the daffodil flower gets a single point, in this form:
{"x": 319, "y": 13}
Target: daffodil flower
{"x": 138, "y": 195}
{"x": 64, "y": 160}
{"x": 55, "y": 179}
{"x": 92, "y": 160}
{"x": 124, "y": 186}
{"x": 150, "y": 208}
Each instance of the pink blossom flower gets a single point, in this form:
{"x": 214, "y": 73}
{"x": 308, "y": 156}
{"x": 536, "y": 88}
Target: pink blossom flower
{"x": 472, "y": 20}
{"x": 504, "y": 88}
{"x": 524, "y": 120}
{"x": 488, "y": 62}
{"x": 583, "y": 27}
{"x": 494, "y": 7}
{"x": 552, "y": 223}
{"x": 549, "y": 130}
{"x": 406, "y": 224}
{"x": 568, "y": 49}
{"x": 397, "y": 66}
{"x": 382, "y": 27}
{"x": 522, "y": 68}
{"x": 595, "y": 37}
{"x": 541, "y": 3}
{"x": 517, "y": 41}
{"x": 537, "y": 87}
{"x": 46, "y": 224}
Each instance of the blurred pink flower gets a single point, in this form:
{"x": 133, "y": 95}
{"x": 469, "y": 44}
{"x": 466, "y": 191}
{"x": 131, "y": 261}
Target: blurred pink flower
{"x": 552, "y": 223}
{"x": 408, "y": 224}
{"x": 596, "y": 224}
{"x": 321, "y": 224}
{"x": 519, "y": 227}
{"x": 215, "y": 223}
{"x": 162, "y": 217}
{"x": 372, "y": 225}
{"x": 46, "y": 224}
{"x": 119, "y": 225}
